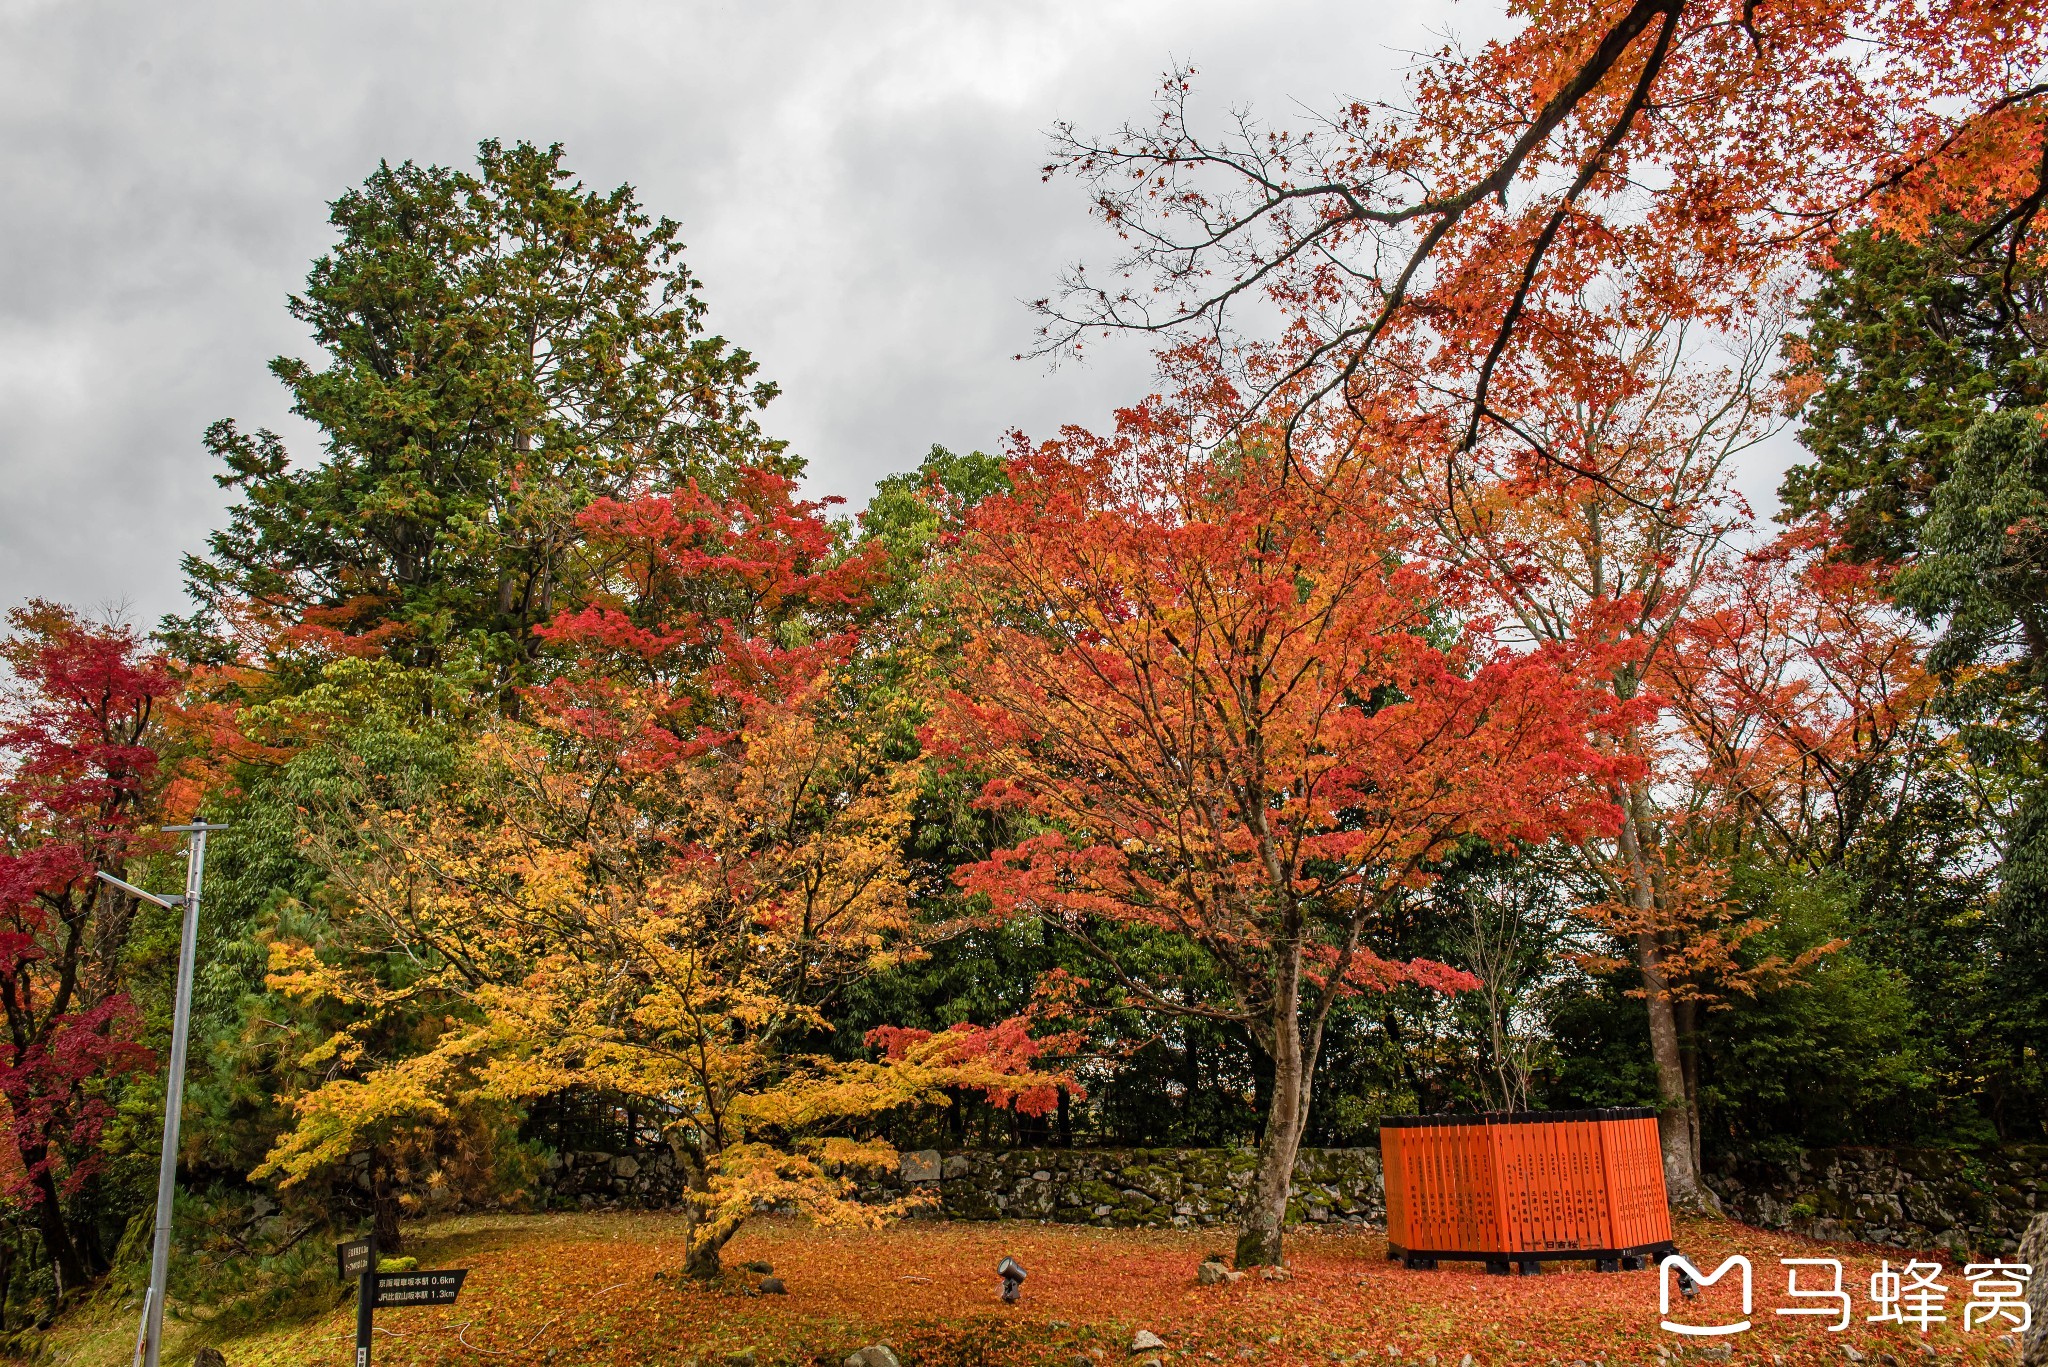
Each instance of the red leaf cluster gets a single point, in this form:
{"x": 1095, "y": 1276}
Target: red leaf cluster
{"x": 75, "y": 770}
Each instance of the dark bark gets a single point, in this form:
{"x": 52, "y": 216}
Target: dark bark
{"x": 384, "y": 1209}
{"x": 701, "y": 1250}
{"x": 703, "y": 1261}
{"x": 69, "y": 1264}
{"x": 10, "y": 1254}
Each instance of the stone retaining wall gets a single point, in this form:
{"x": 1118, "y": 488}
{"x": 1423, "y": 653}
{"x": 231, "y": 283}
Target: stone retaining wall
{"x": 1969, "y": 1201}
{"x": 1143, "y": 1188}
{"x": 1908, "y": 1198}
{"x": 649, "y": 1180}
{"x": 1150, "y": 1188}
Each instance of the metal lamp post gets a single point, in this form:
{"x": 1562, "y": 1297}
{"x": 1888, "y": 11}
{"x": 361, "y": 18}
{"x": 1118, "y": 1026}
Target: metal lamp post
{"x": 149, "y": 1338}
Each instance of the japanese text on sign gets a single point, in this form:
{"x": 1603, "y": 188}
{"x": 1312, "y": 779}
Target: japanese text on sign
{"x": 419, "y": 1288}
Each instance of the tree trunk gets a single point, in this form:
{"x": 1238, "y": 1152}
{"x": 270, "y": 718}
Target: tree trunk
{"x": 56, "y": 1233}
{"x": 1674, "y": 1112}
{"x": 700, "y": 1250}
{"x": 1263, "y": 1217}
{"x": 2034, "y": 1252}
{"x": 384, "y": 1209}
{"x": 703, "y": 1260}
{"x": 8, "y": 1256}
{"x": 1682, "y": 1183}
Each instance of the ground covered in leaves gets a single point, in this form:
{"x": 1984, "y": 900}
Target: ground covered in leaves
{"x": 607, "y": 1290}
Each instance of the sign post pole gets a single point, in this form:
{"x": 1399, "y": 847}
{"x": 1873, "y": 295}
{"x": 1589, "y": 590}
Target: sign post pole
{"x": 366, "y": 1304}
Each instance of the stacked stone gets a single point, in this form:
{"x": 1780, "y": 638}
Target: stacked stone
{"x": 1970, "y": 1201}
{"x": 1136, "y": 1188}
{"x": 596, "y": 1180}
{"x": 1976, "y": 1202}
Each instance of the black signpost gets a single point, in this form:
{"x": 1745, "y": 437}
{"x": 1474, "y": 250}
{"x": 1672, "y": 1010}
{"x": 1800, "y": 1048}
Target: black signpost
{"x": 376, "y": 1290}
{"x": 360, "y": 1257}
{"x": 366, "y": 1304}
{"x": 352, "y": 1258}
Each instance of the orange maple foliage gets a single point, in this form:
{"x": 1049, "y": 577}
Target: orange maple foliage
{"x": 1797, "y": 681}
{"x": 1686, "y": 152}
{"x": 1789, "y": 687}
{"x": 1238, "y": 712}
{"x": 1629, "y": 567}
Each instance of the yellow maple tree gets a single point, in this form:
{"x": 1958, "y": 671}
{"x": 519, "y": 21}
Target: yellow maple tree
{"x": 651, "y": 889}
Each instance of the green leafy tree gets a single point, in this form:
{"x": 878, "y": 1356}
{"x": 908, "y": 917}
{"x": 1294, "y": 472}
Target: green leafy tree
{"x": 501, "y": 347}
{"x": 358, "y": 737}
{"x": 917, "y": 513}
{"x": 1925, "y": 358}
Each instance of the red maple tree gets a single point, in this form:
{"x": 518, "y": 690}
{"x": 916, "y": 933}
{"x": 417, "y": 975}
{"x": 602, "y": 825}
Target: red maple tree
{"x": 1239, "y": 712}
{"x": 76, "y": 770}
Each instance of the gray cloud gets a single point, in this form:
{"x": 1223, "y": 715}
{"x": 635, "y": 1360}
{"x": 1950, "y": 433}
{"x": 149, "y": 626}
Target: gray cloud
{"x": 858, "y": 183}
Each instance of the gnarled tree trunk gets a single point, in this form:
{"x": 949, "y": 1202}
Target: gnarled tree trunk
{"x": 702, "y": 1261}
{"x": 701, "y": 1247}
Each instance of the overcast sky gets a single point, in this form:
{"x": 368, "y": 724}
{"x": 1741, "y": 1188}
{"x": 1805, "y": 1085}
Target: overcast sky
{"x": 857, "y": 181}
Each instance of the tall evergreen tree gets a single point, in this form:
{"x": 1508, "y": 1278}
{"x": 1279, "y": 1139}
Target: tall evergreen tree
{"x": 502, "y": 347}
{"x": 1982, "y": 575}
{"x": 1907, "y": 343}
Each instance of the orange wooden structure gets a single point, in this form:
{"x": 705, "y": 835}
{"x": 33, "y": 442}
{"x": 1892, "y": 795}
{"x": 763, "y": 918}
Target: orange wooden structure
{"x": 1525, "y": 1187}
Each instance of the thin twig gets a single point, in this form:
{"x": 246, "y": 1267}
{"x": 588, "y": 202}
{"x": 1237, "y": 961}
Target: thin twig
{"x": 462, "y": 1337}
